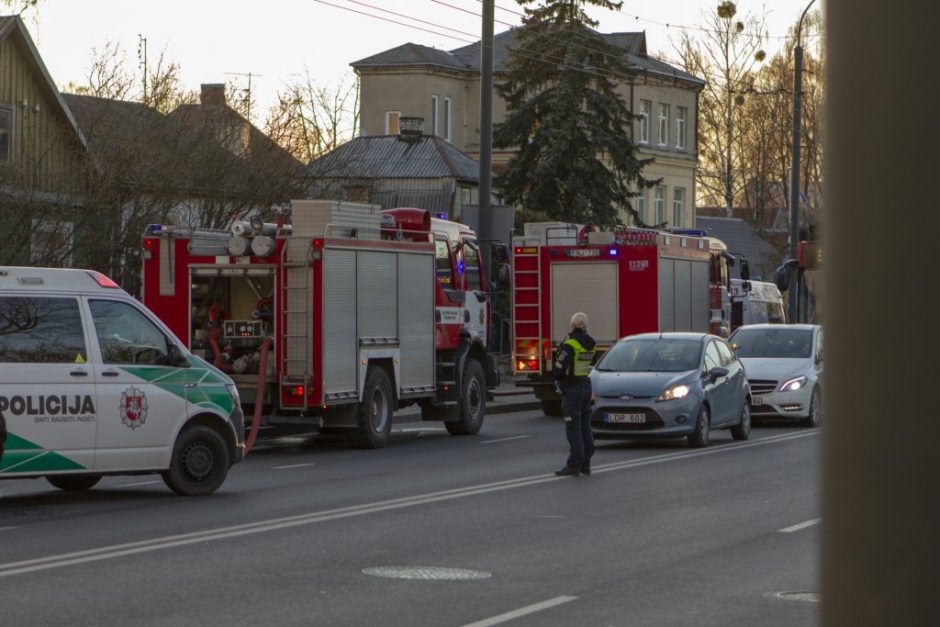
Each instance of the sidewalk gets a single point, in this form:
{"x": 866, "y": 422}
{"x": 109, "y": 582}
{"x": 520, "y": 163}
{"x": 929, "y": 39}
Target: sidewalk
{"x": 508, "y": 398}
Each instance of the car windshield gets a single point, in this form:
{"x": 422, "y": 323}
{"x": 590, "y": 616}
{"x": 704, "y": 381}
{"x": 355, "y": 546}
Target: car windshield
{"x": 652, "y": 355}
{"x": 778, "y": 342}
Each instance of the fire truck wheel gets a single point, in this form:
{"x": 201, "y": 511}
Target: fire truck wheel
{"x": 199, "y": 464}
{"x": 699, "y": 437}
{"x": 73, "y": 483}
{"x": 472, "y": 401}
{"x": 551, "y": 408}
{"x": 374, "y": 413}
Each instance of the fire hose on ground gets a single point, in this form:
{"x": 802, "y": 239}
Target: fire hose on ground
{"x": 259, "y": 395}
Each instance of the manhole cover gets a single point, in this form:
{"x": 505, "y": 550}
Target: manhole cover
{"x": 805, "y": 596}
{"x": 426, "y": 573}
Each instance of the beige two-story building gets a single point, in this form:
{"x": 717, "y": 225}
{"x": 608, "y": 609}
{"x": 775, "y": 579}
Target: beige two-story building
{"x": 443, "y": 87}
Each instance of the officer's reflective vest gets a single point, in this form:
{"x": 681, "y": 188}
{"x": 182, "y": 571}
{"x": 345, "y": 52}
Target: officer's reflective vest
{"x": 583, "y": 358}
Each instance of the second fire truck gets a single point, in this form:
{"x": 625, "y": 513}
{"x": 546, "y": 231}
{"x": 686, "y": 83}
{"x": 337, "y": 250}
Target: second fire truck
{"x": 335, "y": 317}
{"x": 627, "y": 281}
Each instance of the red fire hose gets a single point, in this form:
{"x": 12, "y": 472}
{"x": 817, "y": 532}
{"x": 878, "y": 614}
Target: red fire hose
{"x": 259, "y": 395}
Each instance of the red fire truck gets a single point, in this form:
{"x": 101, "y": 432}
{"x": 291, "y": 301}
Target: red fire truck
{"x": 628, "y": 281}
{"x": 334, "y": 316}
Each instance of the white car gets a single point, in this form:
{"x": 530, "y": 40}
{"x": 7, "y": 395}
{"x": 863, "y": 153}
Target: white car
{"x": 784, "y": 365}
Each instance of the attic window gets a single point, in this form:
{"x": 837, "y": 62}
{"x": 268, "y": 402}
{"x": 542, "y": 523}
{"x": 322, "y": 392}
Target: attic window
{"x": 6, "y": 133}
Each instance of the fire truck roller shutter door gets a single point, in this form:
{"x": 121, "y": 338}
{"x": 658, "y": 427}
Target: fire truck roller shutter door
{"x": 589, "y": 287}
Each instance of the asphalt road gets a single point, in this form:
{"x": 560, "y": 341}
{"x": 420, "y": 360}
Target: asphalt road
{"x": 433, "y": 530}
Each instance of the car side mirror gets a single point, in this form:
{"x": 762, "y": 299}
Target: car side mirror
{"x": 716, "y": 373}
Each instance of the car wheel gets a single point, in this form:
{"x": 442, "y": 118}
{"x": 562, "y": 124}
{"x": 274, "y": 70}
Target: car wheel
{"x": 73, "y": 483}
{"x": 699, "y": 437}
{"x": 199, "y": 464}
{"x": 742, "y": 430}
{"x": 815, "y": 409}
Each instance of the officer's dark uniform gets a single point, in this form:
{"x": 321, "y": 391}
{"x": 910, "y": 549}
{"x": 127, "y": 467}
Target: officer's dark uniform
{"x": 572, "y": 365}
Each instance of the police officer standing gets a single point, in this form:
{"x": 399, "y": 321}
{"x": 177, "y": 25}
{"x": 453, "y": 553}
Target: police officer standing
{"x": 572, "y": 365}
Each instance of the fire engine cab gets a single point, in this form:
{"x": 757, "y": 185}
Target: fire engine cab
{"x": 627, "y": 281}
{"x": 333, "y": 316}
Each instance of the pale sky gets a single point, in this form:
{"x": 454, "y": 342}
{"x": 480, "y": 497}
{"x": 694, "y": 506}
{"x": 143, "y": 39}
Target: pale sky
{"x": 221, "y": 41}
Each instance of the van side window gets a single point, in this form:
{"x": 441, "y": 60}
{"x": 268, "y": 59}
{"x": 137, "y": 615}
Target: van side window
{"x": 41, "y": 330}
{"x": 126, "y": 335}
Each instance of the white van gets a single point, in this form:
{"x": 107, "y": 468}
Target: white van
{"x": 762, "y": 303}
{"x": 93, "y": 384}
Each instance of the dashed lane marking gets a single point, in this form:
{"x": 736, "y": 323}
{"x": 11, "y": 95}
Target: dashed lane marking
{"x": 522, "y": 611}
{"x": 802, "y": 525}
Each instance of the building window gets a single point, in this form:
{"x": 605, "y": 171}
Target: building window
{"x": 678, "y": 205}
{"x": 391, "y": 122}
{"x": 6, "y": 133}
{"x": 659, "y": 204}
{"x": 434, "y": 122}
{"x": 663, "y": 125}
{"x": 447, "y": 119}
{"x": 681, "y": 114}
{"x": 646, "y": 107}
{"x": 639, "y": 203}
{"x": 51, "y": 243}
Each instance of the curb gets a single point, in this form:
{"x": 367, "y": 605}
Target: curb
{"x": 505, "y": 408}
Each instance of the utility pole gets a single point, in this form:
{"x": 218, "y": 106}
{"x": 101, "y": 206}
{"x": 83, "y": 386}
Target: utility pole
{"x": 486, "y": 125}
{"x": 794, "y": 288}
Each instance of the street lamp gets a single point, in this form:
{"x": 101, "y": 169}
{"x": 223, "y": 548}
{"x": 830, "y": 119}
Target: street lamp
{"x": 793, "y": 289}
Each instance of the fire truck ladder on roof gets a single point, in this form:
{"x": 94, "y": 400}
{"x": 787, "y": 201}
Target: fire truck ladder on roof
{"x": 297, "y": 315}
{"x": 530, "y": 304}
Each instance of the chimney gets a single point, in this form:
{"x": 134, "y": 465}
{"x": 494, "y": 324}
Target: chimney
{"x": 410, "y": 129}
{"x": 212, "y": 95}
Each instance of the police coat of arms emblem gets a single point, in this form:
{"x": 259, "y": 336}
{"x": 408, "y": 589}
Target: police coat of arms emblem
{"x": 133, "y": 407}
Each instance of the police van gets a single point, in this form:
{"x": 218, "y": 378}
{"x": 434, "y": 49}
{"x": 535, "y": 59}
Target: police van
{"x": 93, "y": 384}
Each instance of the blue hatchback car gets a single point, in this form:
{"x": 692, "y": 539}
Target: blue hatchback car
{"x": 670, "y": 385}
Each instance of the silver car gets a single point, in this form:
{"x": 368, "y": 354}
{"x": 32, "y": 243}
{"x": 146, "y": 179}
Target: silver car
{"x": 670, "y": 385}
{"x": 784, "y": 365}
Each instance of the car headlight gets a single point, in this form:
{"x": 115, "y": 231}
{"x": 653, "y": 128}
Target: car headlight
{"x": 792, "y": 385}
{"x": 675, "y": 392}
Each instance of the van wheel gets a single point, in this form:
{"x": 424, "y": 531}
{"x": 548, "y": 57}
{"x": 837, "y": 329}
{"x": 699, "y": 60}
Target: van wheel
{"x": 374, "y": 413}
{"x": 472, "y": 401}
{"x": 199, "y": 464}
{"x": 73, "y": 483}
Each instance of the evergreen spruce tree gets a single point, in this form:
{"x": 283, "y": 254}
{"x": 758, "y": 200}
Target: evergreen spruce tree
{"x": 575, "y": 160}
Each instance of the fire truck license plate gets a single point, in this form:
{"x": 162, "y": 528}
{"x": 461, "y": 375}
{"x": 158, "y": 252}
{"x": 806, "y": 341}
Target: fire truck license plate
{"x": 627, "y": 418}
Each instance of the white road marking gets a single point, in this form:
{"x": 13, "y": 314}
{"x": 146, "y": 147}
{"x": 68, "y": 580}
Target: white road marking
{"x": 515, "y": 437}
{"x": 8, "y": 528}
{"x": 262, "y": 526}
{"x": 802, "y": 525}
{"x": 291, "y": 466}
{"x": 129, "y": 485}
{"x": 522, "y": 611}
{"x": 420, "y": 430}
